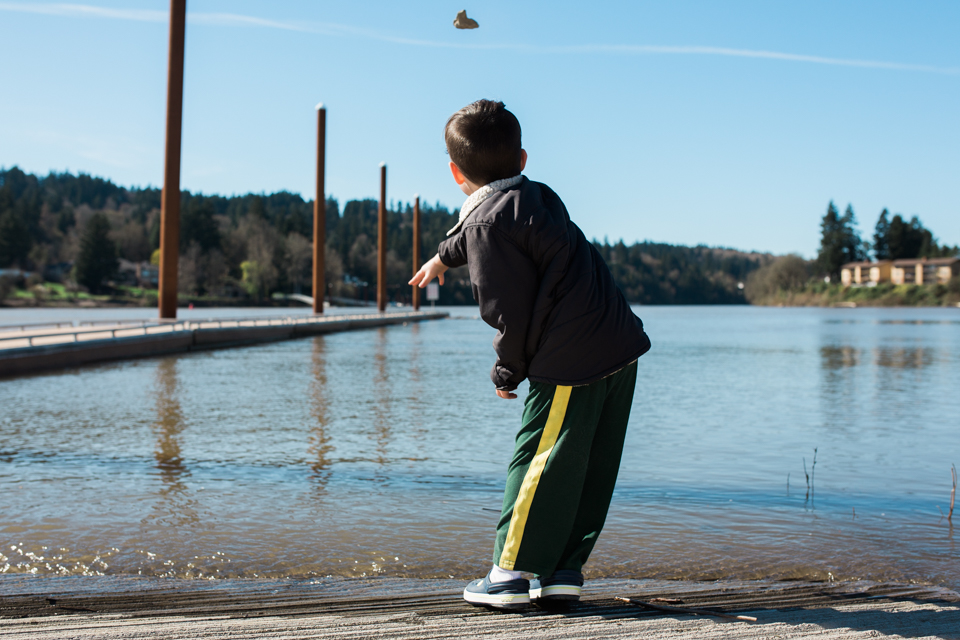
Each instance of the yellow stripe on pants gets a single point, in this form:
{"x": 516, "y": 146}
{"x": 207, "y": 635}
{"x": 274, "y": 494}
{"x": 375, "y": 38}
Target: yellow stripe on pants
{"x": 521, "y": 508}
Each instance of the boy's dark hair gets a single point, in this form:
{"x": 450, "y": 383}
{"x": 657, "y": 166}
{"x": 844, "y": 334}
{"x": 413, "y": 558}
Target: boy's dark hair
{"x": 483, "y": 139}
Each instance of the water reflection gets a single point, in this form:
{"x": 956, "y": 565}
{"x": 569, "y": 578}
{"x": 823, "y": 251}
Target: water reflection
{"x": 834, "y": 358}
{"x": 896, "y": 321}
{"x": 840, "y": 383}
{"x": 169, "y": 425}
{"x": 415, "y": 403}
{"x": 838, "y": 357}
{"x": 415, "y": 354}
{"x": 903, "y": 357}
{"x": 920, "y": 322}
{"x": 381, "y": 400}
{"x": 320, "y": 447}
{"x": 175, "y": 507}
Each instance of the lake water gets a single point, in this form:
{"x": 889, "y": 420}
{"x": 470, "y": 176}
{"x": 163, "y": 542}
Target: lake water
{"x": 383, "y": 452}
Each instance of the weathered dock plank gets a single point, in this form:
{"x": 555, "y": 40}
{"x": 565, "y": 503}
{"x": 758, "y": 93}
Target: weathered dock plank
{"x": 408, "y": 608}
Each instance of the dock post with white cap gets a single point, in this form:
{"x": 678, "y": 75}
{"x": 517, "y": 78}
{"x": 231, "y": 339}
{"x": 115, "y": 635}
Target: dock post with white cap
{"x": 382, "y": 241}
{"x": 416, "y": 249}
{"x": 320, "y": 215}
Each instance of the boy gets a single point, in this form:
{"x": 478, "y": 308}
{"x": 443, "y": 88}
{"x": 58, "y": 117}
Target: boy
{"x": 564, "y": 324}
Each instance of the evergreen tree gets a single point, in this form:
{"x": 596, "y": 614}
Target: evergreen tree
{"x": 197, "y": 225}
{"x": 928, "y": 244}
{"x": 897, "y": 239}
{"x": 840, "y": 242}
{"x": 854, "y": 249}
{"x": 257, "y": 210}
{"x": 15, "y": 240}
{"x": 910, "y": 239}
{"x": 830, "y": 257}
{"x": 881, "y": 248}
{"x": 98, "y": 254}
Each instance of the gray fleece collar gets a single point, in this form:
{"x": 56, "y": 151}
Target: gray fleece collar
{"x": 480, "y": 195}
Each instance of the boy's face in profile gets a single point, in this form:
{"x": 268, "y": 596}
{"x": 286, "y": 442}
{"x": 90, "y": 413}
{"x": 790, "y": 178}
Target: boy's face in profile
{"x": 469, "y": 187}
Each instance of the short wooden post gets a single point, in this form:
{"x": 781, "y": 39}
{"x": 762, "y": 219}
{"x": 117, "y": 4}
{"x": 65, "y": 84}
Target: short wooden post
{"x": 416, "y": 250}
{"x": 320, "y": 215}
{"x": 382, "y": 241}
{"x": 170, "y": 197}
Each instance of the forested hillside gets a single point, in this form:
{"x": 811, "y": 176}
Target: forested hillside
{"x": 254, "y": 245}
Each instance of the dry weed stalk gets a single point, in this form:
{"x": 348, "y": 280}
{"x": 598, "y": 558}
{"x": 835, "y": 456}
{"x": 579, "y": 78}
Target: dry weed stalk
{"x": 813, "y": 474}
{"x": 810, "y": 476}
{"x": 953, "y": 492}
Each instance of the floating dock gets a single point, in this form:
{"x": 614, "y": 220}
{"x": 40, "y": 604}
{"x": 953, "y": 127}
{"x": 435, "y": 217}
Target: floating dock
{"x": 32, "y": 348}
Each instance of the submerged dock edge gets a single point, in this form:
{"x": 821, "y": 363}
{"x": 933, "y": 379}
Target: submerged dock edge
{"x": 36, "y": 359}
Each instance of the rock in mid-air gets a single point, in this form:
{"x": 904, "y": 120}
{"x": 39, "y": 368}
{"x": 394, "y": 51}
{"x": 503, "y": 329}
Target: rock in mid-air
{"x": 463, "y": 22}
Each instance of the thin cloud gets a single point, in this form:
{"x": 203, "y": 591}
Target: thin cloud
{"x": 770, "y": 55}
{"x": 84, "y": 10}
{"x": 239, "y": 20}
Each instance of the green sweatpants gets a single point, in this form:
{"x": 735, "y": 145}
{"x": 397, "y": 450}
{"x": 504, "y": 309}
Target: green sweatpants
{"x": 562, "y": 475}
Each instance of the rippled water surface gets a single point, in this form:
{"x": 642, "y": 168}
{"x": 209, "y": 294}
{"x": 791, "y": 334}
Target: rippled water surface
{"x": 384, "y": 452}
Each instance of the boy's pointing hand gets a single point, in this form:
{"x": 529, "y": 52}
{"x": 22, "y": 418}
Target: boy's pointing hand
{"x": 431, "y": 269}
{"x": 506, "y": 395}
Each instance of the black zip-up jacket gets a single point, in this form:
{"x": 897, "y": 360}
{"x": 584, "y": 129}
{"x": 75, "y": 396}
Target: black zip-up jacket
{"x": 544, "y": 287}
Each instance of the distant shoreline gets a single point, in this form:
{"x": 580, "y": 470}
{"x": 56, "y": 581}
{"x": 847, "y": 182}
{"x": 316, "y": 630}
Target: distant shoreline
{"x": 883, "y": 295}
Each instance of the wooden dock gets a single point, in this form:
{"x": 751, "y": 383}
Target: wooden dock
{"x": 115, "y": 607}
{"x": 32, "y": 348}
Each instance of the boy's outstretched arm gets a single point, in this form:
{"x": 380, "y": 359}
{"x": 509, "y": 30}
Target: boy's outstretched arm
{"x": 432, "y": 268}
{"x": 505, "y": 284}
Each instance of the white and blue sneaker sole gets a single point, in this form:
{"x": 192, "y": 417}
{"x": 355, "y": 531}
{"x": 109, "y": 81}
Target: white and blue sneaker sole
{"x": 497, "y": 600}
{"x": 556, "y": 592}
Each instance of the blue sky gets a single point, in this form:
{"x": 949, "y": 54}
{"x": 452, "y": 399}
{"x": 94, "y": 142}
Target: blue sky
{"x": 728, "y": 124}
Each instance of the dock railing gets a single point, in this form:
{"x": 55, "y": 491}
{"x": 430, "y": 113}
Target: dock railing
{"x": 132, "y": 328}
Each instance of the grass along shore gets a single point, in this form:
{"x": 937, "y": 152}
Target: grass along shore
{"x": 808, "y": 294}
{"x": 821, "y": 294}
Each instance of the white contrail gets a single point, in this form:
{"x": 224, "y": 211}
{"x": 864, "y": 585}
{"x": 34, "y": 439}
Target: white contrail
{"x": 238, "y": 20}
{"x": 752, "y": 53}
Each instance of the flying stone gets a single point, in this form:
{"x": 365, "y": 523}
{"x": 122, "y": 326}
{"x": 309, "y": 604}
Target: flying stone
{"x": 463, "y": 22}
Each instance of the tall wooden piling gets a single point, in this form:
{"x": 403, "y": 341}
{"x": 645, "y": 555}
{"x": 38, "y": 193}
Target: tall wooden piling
{"x": 416, "y": 250}
{"x": 382, "y": 241}
{"x": 320, "y": 215}
{"x": 170, "y": 198}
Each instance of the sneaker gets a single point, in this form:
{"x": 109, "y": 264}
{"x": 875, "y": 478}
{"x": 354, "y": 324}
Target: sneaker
{"x": 512, "y": 594}
{"x": 562, "y": 585}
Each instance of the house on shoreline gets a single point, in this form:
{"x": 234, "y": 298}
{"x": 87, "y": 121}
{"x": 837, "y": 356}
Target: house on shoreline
{"x": 866, "y": 273}
{"x": 904, "y": 271}
{"x": 138, "y": 274}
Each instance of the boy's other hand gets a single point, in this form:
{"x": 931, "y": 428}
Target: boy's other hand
{"x": 431, "y": 269}
{"x": 506, "y": 395}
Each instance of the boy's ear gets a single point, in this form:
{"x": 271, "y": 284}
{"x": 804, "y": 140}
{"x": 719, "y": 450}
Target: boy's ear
{"x": 458, "y": 176}
{"x": 523, "y": 159}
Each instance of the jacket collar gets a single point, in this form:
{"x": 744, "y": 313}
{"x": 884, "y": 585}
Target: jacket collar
{"x": 479, "y": 196}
